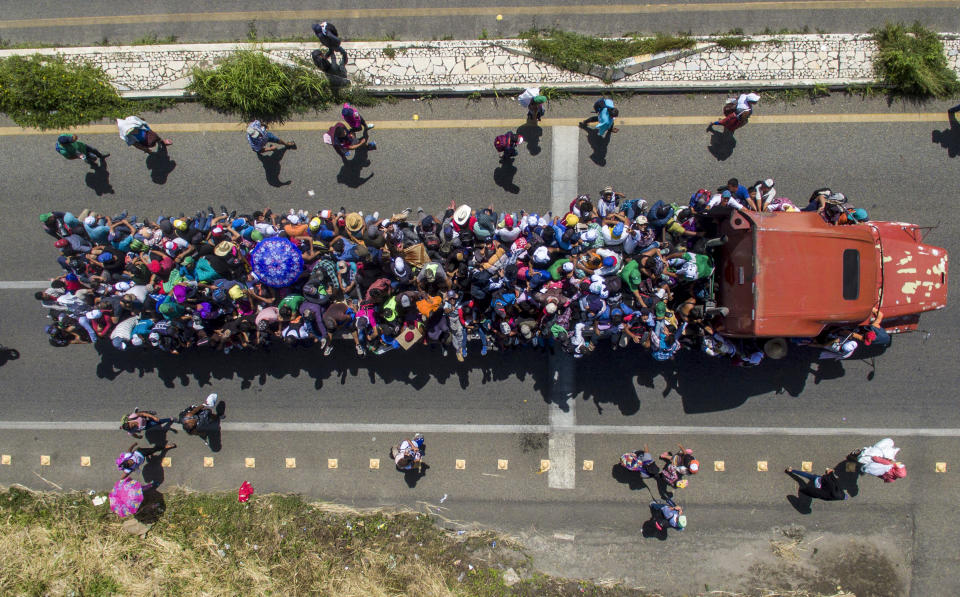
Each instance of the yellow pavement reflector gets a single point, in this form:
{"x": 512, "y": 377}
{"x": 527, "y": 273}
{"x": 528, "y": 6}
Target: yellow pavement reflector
{"x": 806, "y": 466}
{"x": 84, "y": 461}
{"x": 762, "y": 466}
{"x": 250, "y": 462}
{"x": 460, "y": 464}
{"x": 374, "y": 464}
{"x": 6, "y": 460}
{"x": 166, "y": 462}
{"x": 851, "y": 467}
{"x": 416, "y": 117}
{"x": 719, "y": 466}
{"x": 332, "y": 463}
{"x": 208, "y": 462}
{"x": 588, "y": 465}
{"x": 502, "y": 464}
{"x": 290, "y": 462}
{"x": 941, "y": 467}
{"x": 44, "y": 460}
{"x": 544, "y": 467}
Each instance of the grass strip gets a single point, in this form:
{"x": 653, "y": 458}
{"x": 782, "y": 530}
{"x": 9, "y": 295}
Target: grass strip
{"x": 572, "y": 51}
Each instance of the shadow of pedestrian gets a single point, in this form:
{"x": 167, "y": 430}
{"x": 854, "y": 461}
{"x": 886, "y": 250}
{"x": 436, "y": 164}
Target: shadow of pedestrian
{"x": 503, "y": 176}
{"x": 157, "y": 435}
{"x": 152, "y": 507}
{"x": 663, "y": 488}
{"x": 801, "y": 503}
{"x": 722, "y": 143}
{"x": 350, "y": 171}
{"x": 649, "y": 530}
{"x": 153, "y": 469}
{"x": 412, "y": 476}
{"x": 633, "y": 479}
{"x": 98, "y": 179}
{"x": 599, "y": 144}
{"x": 949, "y": 139}
{"x": 848, "y": 480}
{"x": 531, "y": 133}
{"x": 8, "y": 354}
{"x": 160, "y": 165}
{"x": 271, "y": 166}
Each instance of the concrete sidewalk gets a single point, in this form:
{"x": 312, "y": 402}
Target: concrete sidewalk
{"x": 505, "y": 66}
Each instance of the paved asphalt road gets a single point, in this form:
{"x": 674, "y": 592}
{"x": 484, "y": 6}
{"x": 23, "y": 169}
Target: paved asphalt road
{"x": 898, "y": 170}
{"x": 60, "y": 22}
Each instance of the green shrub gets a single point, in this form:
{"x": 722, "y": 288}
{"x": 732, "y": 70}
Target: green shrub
{"x": 48, "y": 92}
{"x": 912, "y": 61}
{"x": 734, "y": 42}
{"x": 572, "y": 50}
{"x": 250, "y": 85}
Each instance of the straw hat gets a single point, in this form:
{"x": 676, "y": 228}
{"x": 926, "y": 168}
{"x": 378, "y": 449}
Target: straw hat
{"x": 354, "y": 222}
{"x": 223, "y": 249}
{"x": 775, "y": 348}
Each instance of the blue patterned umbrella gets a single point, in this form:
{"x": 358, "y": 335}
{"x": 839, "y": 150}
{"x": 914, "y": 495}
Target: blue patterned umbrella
{"x": 276, "y": 261}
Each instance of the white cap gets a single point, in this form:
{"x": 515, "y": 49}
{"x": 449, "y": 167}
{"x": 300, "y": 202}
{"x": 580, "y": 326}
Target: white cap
{"x": 94, "y": 314}
{"x": 293, "y": 219}
{"x": 89, "y": 220}
{"x": 849, "y": 346}
{"x": 768, "y": 182}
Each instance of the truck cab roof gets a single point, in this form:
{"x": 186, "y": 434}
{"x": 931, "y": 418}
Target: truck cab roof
{"x": 791, "y": 274}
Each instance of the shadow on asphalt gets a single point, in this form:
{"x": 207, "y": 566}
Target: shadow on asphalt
{"x": 949, "y": 139}
{"x": 531, "y": 133}
{"x": 599, "y": 144}
{"x": 271, "y": 166}
{"x": 704, "y": 384}
{"x": 503, "y": 176}
{"x": 351, "y": 172}
{"x": 98, "y": 179}
{"x": 160, "y": 165}
{"x": 722, "y": 143}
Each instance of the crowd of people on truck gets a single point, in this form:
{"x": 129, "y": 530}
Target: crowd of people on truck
{"x": 609, "y": 269}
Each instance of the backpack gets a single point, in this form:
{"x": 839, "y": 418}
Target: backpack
{"x": 670, "y": 474}
{"x": 502, "y": 142}
{"x": 350, "y": 115}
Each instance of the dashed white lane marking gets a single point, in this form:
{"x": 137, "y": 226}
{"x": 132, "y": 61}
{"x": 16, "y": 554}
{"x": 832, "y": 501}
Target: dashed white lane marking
{"x": 24, "y": 285}
{"x": 562, "y": 443}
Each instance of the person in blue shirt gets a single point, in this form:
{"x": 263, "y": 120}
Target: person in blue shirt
{"x": 606, "y": 112}
{"x": 738, "y": 190}
{"x": 261, "y": 140}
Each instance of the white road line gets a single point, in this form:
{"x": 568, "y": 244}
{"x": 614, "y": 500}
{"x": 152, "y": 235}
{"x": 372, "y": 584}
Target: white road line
{"x": 921, "y": 432}
{"x": 24, "y": 284}
{"x": 562, "y": 445}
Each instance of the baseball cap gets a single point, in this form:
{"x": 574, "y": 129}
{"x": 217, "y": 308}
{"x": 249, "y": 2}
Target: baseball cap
{"x": 660, "y": 310}
{"x": 682, "y": 521}
{"x": 726, "y": 194}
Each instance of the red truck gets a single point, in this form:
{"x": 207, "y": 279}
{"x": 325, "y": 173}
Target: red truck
{"x": 791, "y": 274}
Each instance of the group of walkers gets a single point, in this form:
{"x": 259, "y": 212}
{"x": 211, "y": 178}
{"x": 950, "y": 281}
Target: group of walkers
{"x": 607, "y": 270}
{"x": 670, "y": 469}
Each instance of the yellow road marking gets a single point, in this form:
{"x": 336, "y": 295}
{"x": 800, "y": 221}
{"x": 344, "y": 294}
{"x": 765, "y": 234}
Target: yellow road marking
{"x": 44, "y": 460}
{"x": 84, "y": 461}
{"x": 719, "y": 466}
{"x": 250, "y": 462}
{"x": 806, "y": 466}
{"x": 290, "y": 462}
{"x": 941, "y": 467}
{"x": 374, "y": 464}
{"x": 461, "y": 11}
{"x": 460, "y": 464}
{"x": 762, "y": 466}
{"x": 588, "y": 465}
{"x": 167, "y": 462}
{"x": 497, "y": 123}
{"x": 208, "y": 462}
{"x": 502, "y": 464}
{"x": 332, "y": 463}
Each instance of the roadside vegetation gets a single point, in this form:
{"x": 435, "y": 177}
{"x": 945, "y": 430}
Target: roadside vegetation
{"x": 48, "y": 92}
{"x": 912, "y": 61}
{"x": 184, "y": 543}
{"x": 572, "y": 51}
{"x": 249, "y": 85}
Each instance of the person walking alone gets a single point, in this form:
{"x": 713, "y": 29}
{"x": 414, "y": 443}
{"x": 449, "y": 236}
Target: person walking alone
{"x": 824, "y": 487}
{"x": 533, "y": 102}
{"x": 606, "y": 113}
{"x": 136, "y": 132}
{"x": 262, "y": 141}
{"x": 69, "y": 147}
{"x": 330, "y": 38}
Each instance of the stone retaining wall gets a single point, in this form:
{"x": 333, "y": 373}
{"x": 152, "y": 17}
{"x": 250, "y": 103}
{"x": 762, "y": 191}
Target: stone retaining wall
{"x": 440, "y": 66}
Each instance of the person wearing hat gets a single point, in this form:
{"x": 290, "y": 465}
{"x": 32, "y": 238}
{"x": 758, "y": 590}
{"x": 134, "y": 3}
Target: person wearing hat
{"x": 463, "y": 218}
{"x": 534, "y": 102}
{"x": 263, "y": 141}
{"x": 69, "y": 147}
{"x": 668, "y": 514}
{"x": 353, "y": 222}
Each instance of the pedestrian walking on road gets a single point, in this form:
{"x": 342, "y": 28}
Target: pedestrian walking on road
{"x": 69, "y": 147}
{"x": 354, "y": 120}
{"x": 136, "y": 132}
{"x": 533, "y": 102}
{"x": 344, "y": 142}
{"x": 131, "y": 460}
{"x": 879, "y": 460}
{"x": 824, "y": 487}
{"x": 202, "y": 420}
{"x": 736, "y": 112}
{"x": 262, "y": 141}
{"x": 330, "y": 38}
{"x": 507, "y": 144}
{"x": 408, "y": 454}
{"x": 140, "y": 420}
{"x": 668, "y": 514}
{"x": 606, "y": 113}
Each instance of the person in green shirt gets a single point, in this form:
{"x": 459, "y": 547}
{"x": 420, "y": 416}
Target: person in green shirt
{"x": 69, "y": 147}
